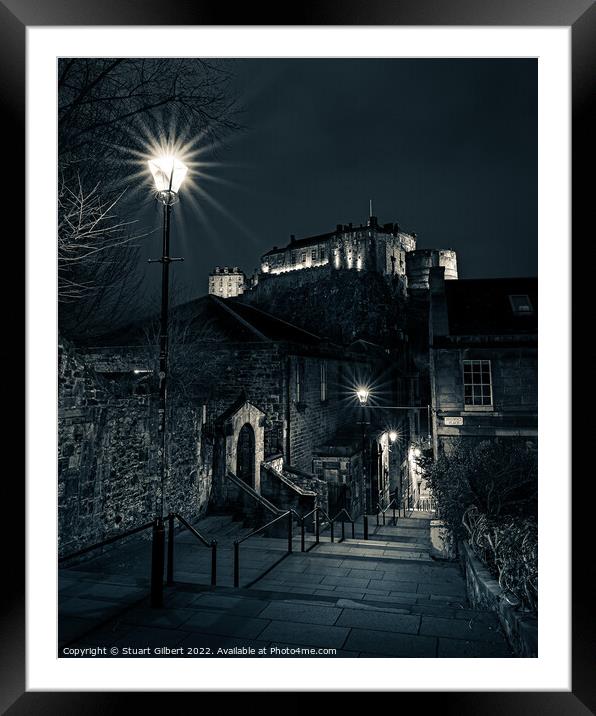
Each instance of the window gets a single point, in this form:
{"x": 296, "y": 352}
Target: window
{"x": 477, "y": 383}
{"x": 521, "y": 304}
{"x": 323, "y": 381}
{"x": 303, "y": 257}
{"x": 313, "y": 255}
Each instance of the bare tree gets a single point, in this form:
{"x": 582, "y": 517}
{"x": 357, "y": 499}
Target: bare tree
{"x": 109, "y": 112}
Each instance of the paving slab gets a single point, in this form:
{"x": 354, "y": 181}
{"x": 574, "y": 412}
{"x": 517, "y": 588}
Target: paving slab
{"x": 461, "y": 648}
{"x": 224, "y": 624}
{"x": 379, "y": 621}
{"x": 307, "y": 634}
{"x": 391, "y": 644}
{"x": 460, "y": 629}
{"x": 301, "y": 612}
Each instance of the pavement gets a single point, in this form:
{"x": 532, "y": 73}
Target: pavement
{"x": 384, "y": 597}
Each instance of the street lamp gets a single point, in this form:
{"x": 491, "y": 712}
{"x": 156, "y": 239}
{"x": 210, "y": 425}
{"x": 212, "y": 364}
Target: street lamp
{"x": 362, "y": 393}
{"x": 168, "y": 174}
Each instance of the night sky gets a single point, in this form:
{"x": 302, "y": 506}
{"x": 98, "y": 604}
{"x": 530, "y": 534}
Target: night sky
{"x": 447, "y": 148}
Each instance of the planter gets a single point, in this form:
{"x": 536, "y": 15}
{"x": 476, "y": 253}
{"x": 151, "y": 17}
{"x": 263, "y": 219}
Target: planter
{"x": 484, "y": 592}
{"x": 442, "y": 545}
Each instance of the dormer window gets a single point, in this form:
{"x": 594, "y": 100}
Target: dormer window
{"x": 521, "y": 304}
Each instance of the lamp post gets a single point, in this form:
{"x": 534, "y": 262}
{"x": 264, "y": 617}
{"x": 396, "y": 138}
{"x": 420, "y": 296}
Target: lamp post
{"x": 168, "y": 175}
{"x": 362, "y": 394}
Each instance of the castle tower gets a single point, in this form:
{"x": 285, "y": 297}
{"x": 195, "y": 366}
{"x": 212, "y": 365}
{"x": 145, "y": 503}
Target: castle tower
{"x": 420, "y": 261}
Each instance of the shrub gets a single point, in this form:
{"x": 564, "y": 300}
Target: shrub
{"x": 509, "y": 547}
{"x": 499, "y": 478}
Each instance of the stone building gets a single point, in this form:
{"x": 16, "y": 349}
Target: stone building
{"x": 483, "y": 358}
{"x": 255, "y": 401}
{"x": 369, "y": 247}
{"x": 227, "y": 282}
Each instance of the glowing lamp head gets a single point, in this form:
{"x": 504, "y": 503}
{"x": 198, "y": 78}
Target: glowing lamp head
{"x": 168, "y": 175}
{"x": 416, "y": 452}
{"x": 392, "y": 435}
{"x": 362, "y": 394}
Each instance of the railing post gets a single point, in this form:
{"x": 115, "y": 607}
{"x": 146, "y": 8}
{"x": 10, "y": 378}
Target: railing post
{"x": 302, "y": 535}
{"x": 157, "y": 563}
{"x": 332, "y": 526}
{"x": 213, "y": 563}
{"x": 353, "y": 531}
{"x": 170, "y": 569}
{"x": 365, "y": 525}
{"x": 394, "y": 520}
{"x": 343, "y": 530}
{"x": 383, "y": 518}
{"x": 289, "y": 530}
{"x": 377, "y": 515}
{"x": 317, "y": 526}
{"x": 236, "y": 564}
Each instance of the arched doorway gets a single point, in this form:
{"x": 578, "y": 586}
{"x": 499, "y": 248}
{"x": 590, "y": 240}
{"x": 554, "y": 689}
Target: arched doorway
{"x": 245, "y": 455}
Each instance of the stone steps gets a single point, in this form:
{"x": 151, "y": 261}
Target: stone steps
{"x": 382, "y": 597}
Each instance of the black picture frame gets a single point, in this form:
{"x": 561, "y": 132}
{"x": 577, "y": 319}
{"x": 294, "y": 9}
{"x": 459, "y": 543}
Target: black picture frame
{"x": 17, "y": 15}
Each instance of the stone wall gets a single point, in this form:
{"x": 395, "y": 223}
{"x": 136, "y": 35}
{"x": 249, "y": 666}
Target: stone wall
{"x": 313, "y": 422}
{"x": 107, "y": 459}
{"x": 521, "y": 628}
{"x": 339, "y": 304}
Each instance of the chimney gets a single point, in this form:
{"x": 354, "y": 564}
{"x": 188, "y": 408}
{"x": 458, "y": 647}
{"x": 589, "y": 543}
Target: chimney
{"x": 292, "y": 238}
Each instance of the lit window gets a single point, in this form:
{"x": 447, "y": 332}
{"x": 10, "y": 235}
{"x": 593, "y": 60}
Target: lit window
{"x": 477, "y": 383}
{"x": 521, "y": 304}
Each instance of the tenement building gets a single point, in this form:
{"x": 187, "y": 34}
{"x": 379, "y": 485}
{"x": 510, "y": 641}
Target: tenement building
{"x": 483, "y": 358}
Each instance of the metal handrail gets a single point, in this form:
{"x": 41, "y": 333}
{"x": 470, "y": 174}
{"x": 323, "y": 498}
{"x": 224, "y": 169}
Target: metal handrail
{"x": 212, "y": 545}
{"x": 192, "y": 529}
{"x": 333, "y": 520}
{"x": 252, "y": 492}
{"x": 106, "y": 542}
{"x": 288, "y": 515}
{"x": 392, "y": 503}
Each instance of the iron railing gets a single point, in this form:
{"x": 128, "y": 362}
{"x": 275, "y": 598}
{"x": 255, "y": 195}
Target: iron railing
{"x": 105, "y": 542}
{"x": 212, "y": 544}
{"x": 393, "y": 504}
{"x": 289, "y": 515}
{"x": 331, "y": 523}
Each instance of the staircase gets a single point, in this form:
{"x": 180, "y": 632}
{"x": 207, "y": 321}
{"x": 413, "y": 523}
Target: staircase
{"x": 379, "y": 597}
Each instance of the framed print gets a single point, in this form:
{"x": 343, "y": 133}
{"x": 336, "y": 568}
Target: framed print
{"x": 283, "y": 396}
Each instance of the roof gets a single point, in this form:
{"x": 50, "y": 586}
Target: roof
{"x": 483, "y": 306}
{"x": 300, "y": 243}
{"x": 273, "y": 328}
{"x": 213, "y": 318}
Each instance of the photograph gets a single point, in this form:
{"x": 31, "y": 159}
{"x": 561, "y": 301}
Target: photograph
{"x": 297, "y": 357}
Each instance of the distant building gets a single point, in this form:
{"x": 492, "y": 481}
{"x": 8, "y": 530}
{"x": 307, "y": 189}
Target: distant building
{"x": 483, "y": 358}
{"x": 227, "y": 282}
{"x": 369, "y": 247}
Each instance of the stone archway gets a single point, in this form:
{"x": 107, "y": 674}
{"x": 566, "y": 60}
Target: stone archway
{"x": 240, "y": 444}
{"x": 245, "y": 455}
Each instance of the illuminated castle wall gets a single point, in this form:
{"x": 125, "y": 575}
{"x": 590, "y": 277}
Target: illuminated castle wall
{"x": 369, "y": 247}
